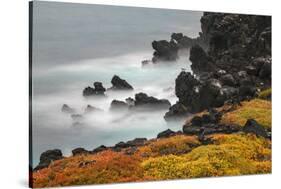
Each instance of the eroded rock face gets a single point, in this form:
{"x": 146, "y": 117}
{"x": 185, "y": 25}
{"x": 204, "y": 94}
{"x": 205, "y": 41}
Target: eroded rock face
{"x": 48, "y": 157}
{"x": 120, "y": 84}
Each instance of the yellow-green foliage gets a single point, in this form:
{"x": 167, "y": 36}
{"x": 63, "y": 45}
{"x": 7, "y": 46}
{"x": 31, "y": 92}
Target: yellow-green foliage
{"x": 257, "y": 109}
{"x": 230, "y": 155}
{"x": 173, "y": 145}
{"x": 265, "y": 94}
{"x": 169, "y": 158}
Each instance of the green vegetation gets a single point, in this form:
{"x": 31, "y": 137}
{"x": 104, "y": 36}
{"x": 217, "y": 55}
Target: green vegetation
{"x": 257, "y": 109}
{"x": 230, "y": 155}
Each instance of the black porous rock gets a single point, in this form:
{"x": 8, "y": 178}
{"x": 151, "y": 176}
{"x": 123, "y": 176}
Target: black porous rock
{"x": 48, "y": 157}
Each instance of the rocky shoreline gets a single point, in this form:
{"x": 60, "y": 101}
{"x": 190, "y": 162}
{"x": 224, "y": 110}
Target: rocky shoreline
{"x": 231, "y": 63}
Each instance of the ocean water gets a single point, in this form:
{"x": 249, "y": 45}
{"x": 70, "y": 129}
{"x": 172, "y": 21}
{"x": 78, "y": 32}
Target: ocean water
{"x": 76, "y": 45}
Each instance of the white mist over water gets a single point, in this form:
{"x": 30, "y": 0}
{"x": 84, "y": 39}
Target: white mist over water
{"x": 75, "y": 45}
{"x": 55, "y": 129}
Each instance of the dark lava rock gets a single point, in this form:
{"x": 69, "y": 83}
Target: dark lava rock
{"x": 176, "y": 111}
{"x": 164, "y": 51}
{"x": 48, "y": 157}
{"x": 199, "y": 59}
{"x": 99, "y": 149}
{"x": 210, "y": 129}
{"x": 198, "y": 96}
{"x": 251, "y": 70}
{"x": 66, "y": 109}
{"x": 79, "y": 151}
{"x": 166, "y": 133}
{"x": 185, "y": 88}
{"x": 137, "y": 142}
{"x": 228, "y": 80}
{"x": 118, "y": 105}
{"x": 98, "y": 90}
{"x": 265, "y": 71}
{"x": 142, "y": 100}
{"x": 197, "y": 121}
{"x": 252, "y": 126}
{"x": 120, "y": 84}
{"x": 121, "y": 145}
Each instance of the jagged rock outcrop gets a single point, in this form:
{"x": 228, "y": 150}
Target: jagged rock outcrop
{"x": 98, "y": 90}
{"x": 164, "y": 51}
{"x": 120, "y": 84}
{"x": 48, "y": 157}
{"x": 168, "y": 50}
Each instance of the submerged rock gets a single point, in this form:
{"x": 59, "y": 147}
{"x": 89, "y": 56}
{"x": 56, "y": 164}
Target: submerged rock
{"x": 91, "y": 109}
{"x": 142, "y": 100}
{"x": 66, "y": 109}
{"x": 120, "y": 84}
{"x": 48, "y": 157}
{"x": 117, "y": 105}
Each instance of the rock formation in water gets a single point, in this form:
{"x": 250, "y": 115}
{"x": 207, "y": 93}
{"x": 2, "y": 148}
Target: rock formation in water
{"x": 234, "y": 67}
{"x": 98, "y": 90}
{"x": 120, "y": 84}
